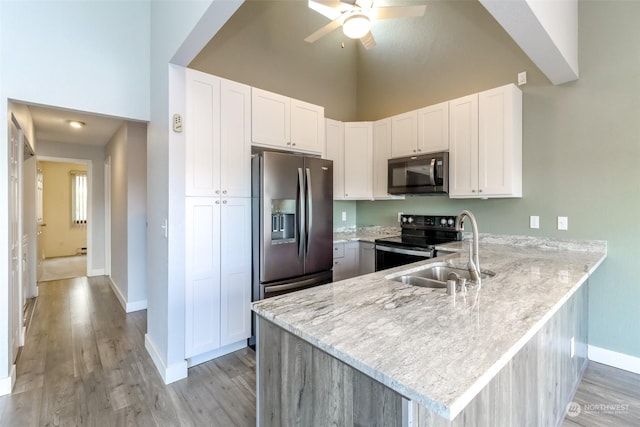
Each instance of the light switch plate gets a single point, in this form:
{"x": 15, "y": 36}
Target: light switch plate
{"x": 522, "y": 78}
{"x": 563, "y": 223}
{"x": 344, "y": 216}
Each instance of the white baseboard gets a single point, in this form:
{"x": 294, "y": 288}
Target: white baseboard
{"x": 615, "y": 359}
{"x": 7, "y": 383}
{"x": 169, "y": 374}
{"x": 210, "y": 355}
{"x": 95, "y": 272}
{"x": 129, "y": 307}
{"x": 136, "y": 306}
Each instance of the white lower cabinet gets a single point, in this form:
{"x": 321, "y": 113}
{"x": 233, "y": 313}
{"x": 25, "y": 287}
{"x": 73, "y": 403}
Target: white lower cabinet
{"x": 345, "y": 260}
{"x": 217, "y": 273}
{"x": 367, "y": 258}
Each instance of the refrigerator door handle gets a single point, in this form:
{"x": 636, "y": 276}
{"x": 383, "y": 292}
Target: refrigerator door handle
{"x": 309, "y": 210}
{"x": 301, "y": 216}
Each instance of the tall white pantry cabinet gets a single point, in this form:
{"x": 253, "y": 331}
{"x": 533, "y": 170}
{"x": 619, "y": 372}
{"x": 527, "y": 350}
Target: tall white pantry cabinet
{"x": 217, "y": 129}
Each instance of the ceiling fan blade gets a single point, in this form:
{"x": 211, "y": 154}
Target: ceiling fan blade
{"x": 391, "y": 12}
{"x": 364, "y": 4}
{"x": 329, "y": 8}
{"x": 323, "y": 31}
{"x": 368, "y": 41}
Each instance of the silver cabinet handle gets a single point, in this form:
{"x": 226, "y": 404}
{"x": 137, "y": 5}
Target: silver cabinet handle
{"x": 224, "y": 191}
{"x": 217, "y": 202}
{"x": 217, "y": 191}
{"x": 224, "y": 202}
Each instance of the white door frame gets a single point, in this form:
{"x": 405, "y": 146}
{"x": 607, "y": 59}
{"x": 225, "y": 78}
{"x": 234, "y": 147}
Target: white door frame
{"x": 89, "y": 164}
{"x": 107, "y": 216}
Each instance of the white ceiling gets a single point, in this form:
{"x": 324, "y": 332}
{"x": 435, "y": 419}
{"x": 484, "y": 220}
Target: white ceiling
{"x": 52, "y": 125}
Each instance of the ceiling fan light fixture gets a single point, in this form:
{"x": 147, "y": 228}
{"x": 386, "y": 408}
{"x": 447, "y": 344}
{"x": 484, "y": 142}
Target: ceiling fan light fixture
{"x": 356, "y": 26}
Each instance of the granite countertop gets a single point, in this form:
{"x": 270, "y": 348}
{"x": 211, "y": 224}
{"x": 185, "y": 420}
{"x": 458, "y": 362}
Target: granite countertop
{"x": 438, "y": 350}
{"x": 364, "y": 234}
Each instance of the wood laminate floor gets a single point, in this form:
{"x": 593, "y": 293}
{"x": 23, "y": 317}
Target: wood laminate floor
{"x": 84, "y": 364}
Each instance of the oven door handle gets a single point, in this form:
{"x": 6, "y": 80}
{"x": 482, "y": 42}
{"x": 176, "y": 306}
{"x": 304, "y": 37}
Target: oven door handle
{"x": 423, "y": 253}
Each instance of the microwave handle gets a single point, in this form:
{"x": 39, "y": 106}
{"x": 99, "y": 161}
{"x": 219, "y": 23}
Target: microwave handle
{"x": 432, "y": 171}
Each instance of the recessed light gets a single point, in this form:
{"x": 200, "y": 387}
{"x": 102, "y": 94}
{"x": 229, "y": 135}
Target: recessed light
{"x": 76, "y": 124}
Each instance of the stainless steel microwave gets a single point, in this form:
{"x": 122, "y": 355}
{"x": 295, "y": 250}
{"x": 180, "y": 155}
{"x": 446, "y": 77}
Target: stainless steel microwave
{"x": 425, "y": 174}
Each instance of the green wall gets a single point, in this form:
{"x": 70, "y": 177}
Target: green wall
{"x": 350, "y": 208}
{"x": 581, "y": 154}
{"x": 581, "y": 143}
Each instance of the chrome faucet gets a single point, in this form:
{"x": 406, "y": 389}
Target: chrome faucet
{"x": 474, "y": 258}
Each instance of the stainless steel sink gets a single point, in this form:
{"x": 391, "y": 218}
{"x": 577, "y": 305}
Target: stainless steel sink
{"x": 435, "y": 275}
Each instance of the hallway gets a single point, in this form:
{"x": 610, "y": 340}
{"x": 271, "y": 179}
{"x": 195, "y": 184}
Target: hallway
{"x": 84, "y": 363}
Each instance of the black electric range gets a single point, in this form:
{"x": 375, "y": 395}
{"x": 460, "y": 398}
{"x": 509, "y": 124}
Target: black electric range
{"x": 419, "y": 236}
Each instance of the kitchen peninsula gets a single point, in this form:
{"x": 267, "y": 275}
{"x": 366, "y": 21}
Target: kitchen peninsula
{"x": 372, "y": 351}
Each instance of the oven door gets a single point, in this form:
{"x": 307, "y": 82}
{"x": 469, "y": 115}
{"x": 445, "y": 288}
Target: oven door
{"x": 392, "y": 256}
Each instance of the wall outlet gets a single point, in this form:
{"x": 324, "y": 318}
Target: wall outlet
{"x": 344, "y": 216}
{"x": 522, "y": 78}
{"x": 563, "y": 223}
{"x": 534, "y": 221}
{"x": 400, "y": 216}
{"x": 572, "y": 347}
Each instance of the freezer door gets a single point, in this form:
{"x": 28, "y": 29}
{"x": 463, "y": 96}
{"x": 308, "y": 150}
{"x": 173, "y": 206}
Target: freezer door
{"x": 281, "y": 216}
{"x": 318, "y": 214}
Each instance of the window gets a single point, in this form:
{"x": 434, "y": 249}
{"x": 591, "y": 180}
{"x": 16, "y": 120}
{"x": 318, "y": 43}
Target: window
{"x": 78, "y": 198}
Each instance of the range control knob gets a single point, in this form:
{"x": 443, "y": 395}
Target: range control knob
{"x": 451, "y": 222}
{"x": 410, "y": 219}
{"x": 443, "y": 221}
{"x": 403, "y": 218}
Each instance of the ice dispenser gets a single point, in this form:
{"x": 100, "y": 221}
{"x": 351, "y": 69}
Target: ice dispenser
{"x": 283, "y": 220}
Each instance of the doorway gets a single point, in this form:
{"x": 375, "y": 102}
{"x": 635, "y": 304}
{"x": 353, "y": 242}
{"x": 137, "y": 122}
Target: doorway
{"x": 63, "y": 242}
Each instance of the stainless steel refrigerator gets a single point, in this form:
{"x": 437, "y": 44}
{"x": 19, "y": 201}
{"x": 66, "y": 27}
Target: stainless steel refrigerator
{"x": 292, "y": 202}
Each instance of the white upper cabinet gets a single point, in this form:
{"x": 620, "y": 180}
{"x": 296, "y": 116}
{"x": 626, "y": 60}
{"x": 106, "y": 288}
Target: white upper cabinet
{"x": 358, "y": 160}
{"x": 485, "y": 144}
{"x": 335, "y": 152}
{"x": 235, "y": 139}
{"x": 500, "y": 142}
{"x": 307, "y": 126}
{"x": 404, "y": 134}
{"x": 381, "y": 156}
{"x": 281, "y": 122}
{"x": 270, "y": 118}
{"x": 218, "y": 137}
{"x": 202, "y": 133}
{"x": 463, "y": 146}
{"x": 433, "y": 128}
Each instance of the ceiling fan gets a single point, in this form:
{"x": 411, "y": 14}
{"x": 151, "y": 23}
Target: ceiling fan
{"x": 355, "y": 17}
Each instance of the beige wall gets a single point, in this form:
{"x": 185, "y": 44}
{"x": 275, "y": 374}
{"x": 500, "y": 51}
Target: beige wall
{"x": 263, "y": 45}
{"x": 59, "y": 237}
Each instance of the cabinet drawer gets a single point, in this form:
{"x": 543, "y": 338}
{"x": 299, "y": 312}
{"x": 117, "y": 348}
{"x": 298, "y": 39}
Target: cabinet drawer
{"x": 338, "y": 250}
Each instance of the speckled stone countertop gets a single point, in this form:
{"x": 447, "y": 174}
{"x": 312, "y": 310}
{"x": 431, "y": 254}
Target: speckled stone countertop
{"x": 435, "y": 349}
{"x": 364, "y": 234}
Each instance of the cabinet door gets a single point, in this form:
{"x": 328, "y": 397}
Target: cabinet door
{"x": 351, "y": 259}
{"x": 270, "y": 118}
{"x": 463, "y": 146}
{"x": 235, "y": 270}
{"x": 202, "y": 133}
{"x": 500, "y": 142}
{"x": 202, "y": 275}
{"x": 367, "y": 258}
{"x": 235, "y": 139}
{"x": 433, "y": 128}
{"x": 345, "y": 264}
{"x": 307, "y": 127}
{"x": 404, "y": 134}
{"x": 381, "y": 155}
{"x": 335, "y": 152}
{"x": 358, "y": 160}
